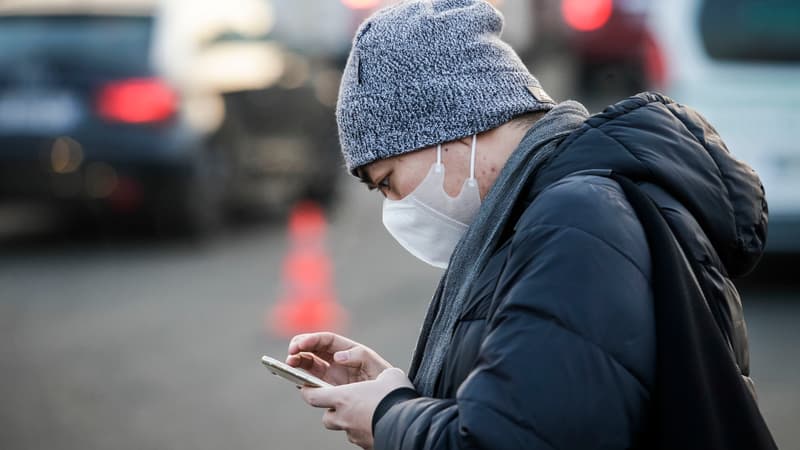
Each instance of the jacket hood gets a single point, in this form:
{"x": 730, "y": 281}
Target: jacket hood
{"x": 650, "y": 138}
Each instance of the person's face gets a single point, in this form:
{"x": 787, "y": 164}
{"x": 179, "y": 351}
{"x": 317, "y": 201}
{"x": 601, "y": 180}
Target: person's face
{"x": 398, "y": 176}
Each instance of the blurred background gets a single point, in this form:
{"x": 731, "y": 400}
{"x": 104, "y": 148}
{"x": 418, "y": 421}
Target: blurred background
{"x": 173, "y": 203}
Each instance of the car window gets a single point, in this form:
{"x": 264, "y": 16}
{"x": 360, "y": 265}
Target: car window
{"x": 106, "y": 43}
{"x": 753, "y": 30}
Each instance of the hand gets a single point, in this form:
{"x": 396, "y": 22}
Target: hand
{"x": 334, "y": 358}
{"x": 351, "y": 406}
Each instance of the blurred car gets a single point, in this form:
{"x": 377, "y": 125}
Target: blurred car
{"x": 274, "y": 66}
{"x": 93, "y": 115}
{"x": 738, "y": 63}
{"x": 86, "y": 121}
{"x": 610, "y": 42}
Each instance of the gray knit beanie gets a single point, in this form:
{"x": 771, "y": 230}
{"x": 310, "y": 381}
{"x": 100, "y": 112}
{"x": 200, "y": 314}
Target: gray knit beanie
{"x": 424, "y": 72}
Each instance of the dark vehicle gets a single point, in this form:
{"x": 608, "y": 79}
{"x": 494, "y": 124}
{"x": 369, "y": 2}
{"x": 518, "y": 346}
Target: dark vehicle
{"x": 282, "y": 141}
{"x": 86, "y": 122}
{"x": 610, "y": 40}
{"x": 605, "y": 45}
{"x": 90, "y": 123}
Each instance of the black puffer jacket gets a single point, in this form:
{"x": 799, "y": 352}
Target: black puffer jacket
{"x": 556, "y": 347}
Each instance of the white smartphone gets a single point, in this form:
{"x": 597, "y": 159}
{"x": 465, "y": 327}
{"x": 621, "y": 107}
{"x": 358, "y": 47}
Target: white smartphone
{"x": 289, "y": 373}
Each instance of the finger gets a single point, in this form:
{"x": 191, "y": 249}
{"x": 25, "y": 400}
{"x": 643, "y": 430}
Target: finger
{"x": 309, "y": 362}
{"x": 323, "y": 342}
{"x": 293, "y": 343}
{"x": 324, "y": 397}
{"x": 331, "y": 421}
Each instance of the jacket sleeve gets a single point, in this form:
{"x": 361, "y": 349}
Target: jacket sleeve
{"x": 568, "y": 359}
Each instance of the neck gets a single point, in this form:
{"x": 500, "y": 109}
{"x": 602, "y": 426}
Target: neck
{"x": 502, "y": 141}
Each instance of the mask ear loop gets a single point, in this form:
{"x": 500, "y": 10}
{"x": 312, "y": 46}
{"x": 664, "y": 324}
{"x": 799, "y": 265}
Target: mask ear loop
{"x": 472, "y": 159}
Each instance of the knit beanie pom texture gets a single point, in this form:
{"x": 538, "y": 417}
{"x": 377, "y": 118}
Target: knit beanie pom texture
{"x": 424, "y": 72}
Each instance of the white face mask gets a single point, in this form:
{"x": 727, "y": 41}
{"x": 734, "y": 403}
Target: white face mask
{"x": 428, "y": 222}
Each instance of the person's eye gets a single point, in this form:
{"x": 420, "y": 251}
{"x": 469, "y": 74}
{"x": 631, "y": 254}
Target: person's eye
{"x": 384, "y": 185}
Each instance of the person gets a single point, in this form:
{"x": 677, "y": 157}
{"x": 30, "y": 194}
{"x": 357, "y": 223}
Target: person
{"x": 542, "y": 331}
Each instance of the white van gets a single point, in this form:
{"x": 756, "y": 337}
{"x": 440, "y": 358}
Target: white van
{"x": 738, "y": 63}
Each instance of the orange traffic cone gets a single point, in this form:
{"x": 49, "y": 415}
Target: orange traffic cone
{"x": 308, "y": 302}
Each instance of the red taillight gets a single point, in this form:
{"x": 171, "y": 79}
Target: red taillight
{"x": 137, "y": 100}
{"x": 586, "y": 15}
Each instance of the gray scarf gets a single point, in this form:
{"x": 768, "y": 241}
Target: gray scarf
{"x": 479, "y": 242}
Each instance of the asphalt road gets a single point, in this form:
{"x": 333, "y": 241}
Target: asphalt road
{"x": 123, "y": 344}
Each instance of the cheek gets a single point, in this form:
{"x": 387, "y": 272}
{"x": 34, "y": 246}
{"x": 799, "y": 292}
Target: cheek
{"x": 456, "y": 163}
{"x": 405, "y": 180}
{"x": 402, "y": 185}
{"x": 408, "y": 172}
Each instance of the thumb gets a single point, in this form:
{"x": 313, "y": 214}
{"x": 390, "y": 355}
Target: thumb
{"x": 350, "y": 358}
{"x": 360, "y": 358}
